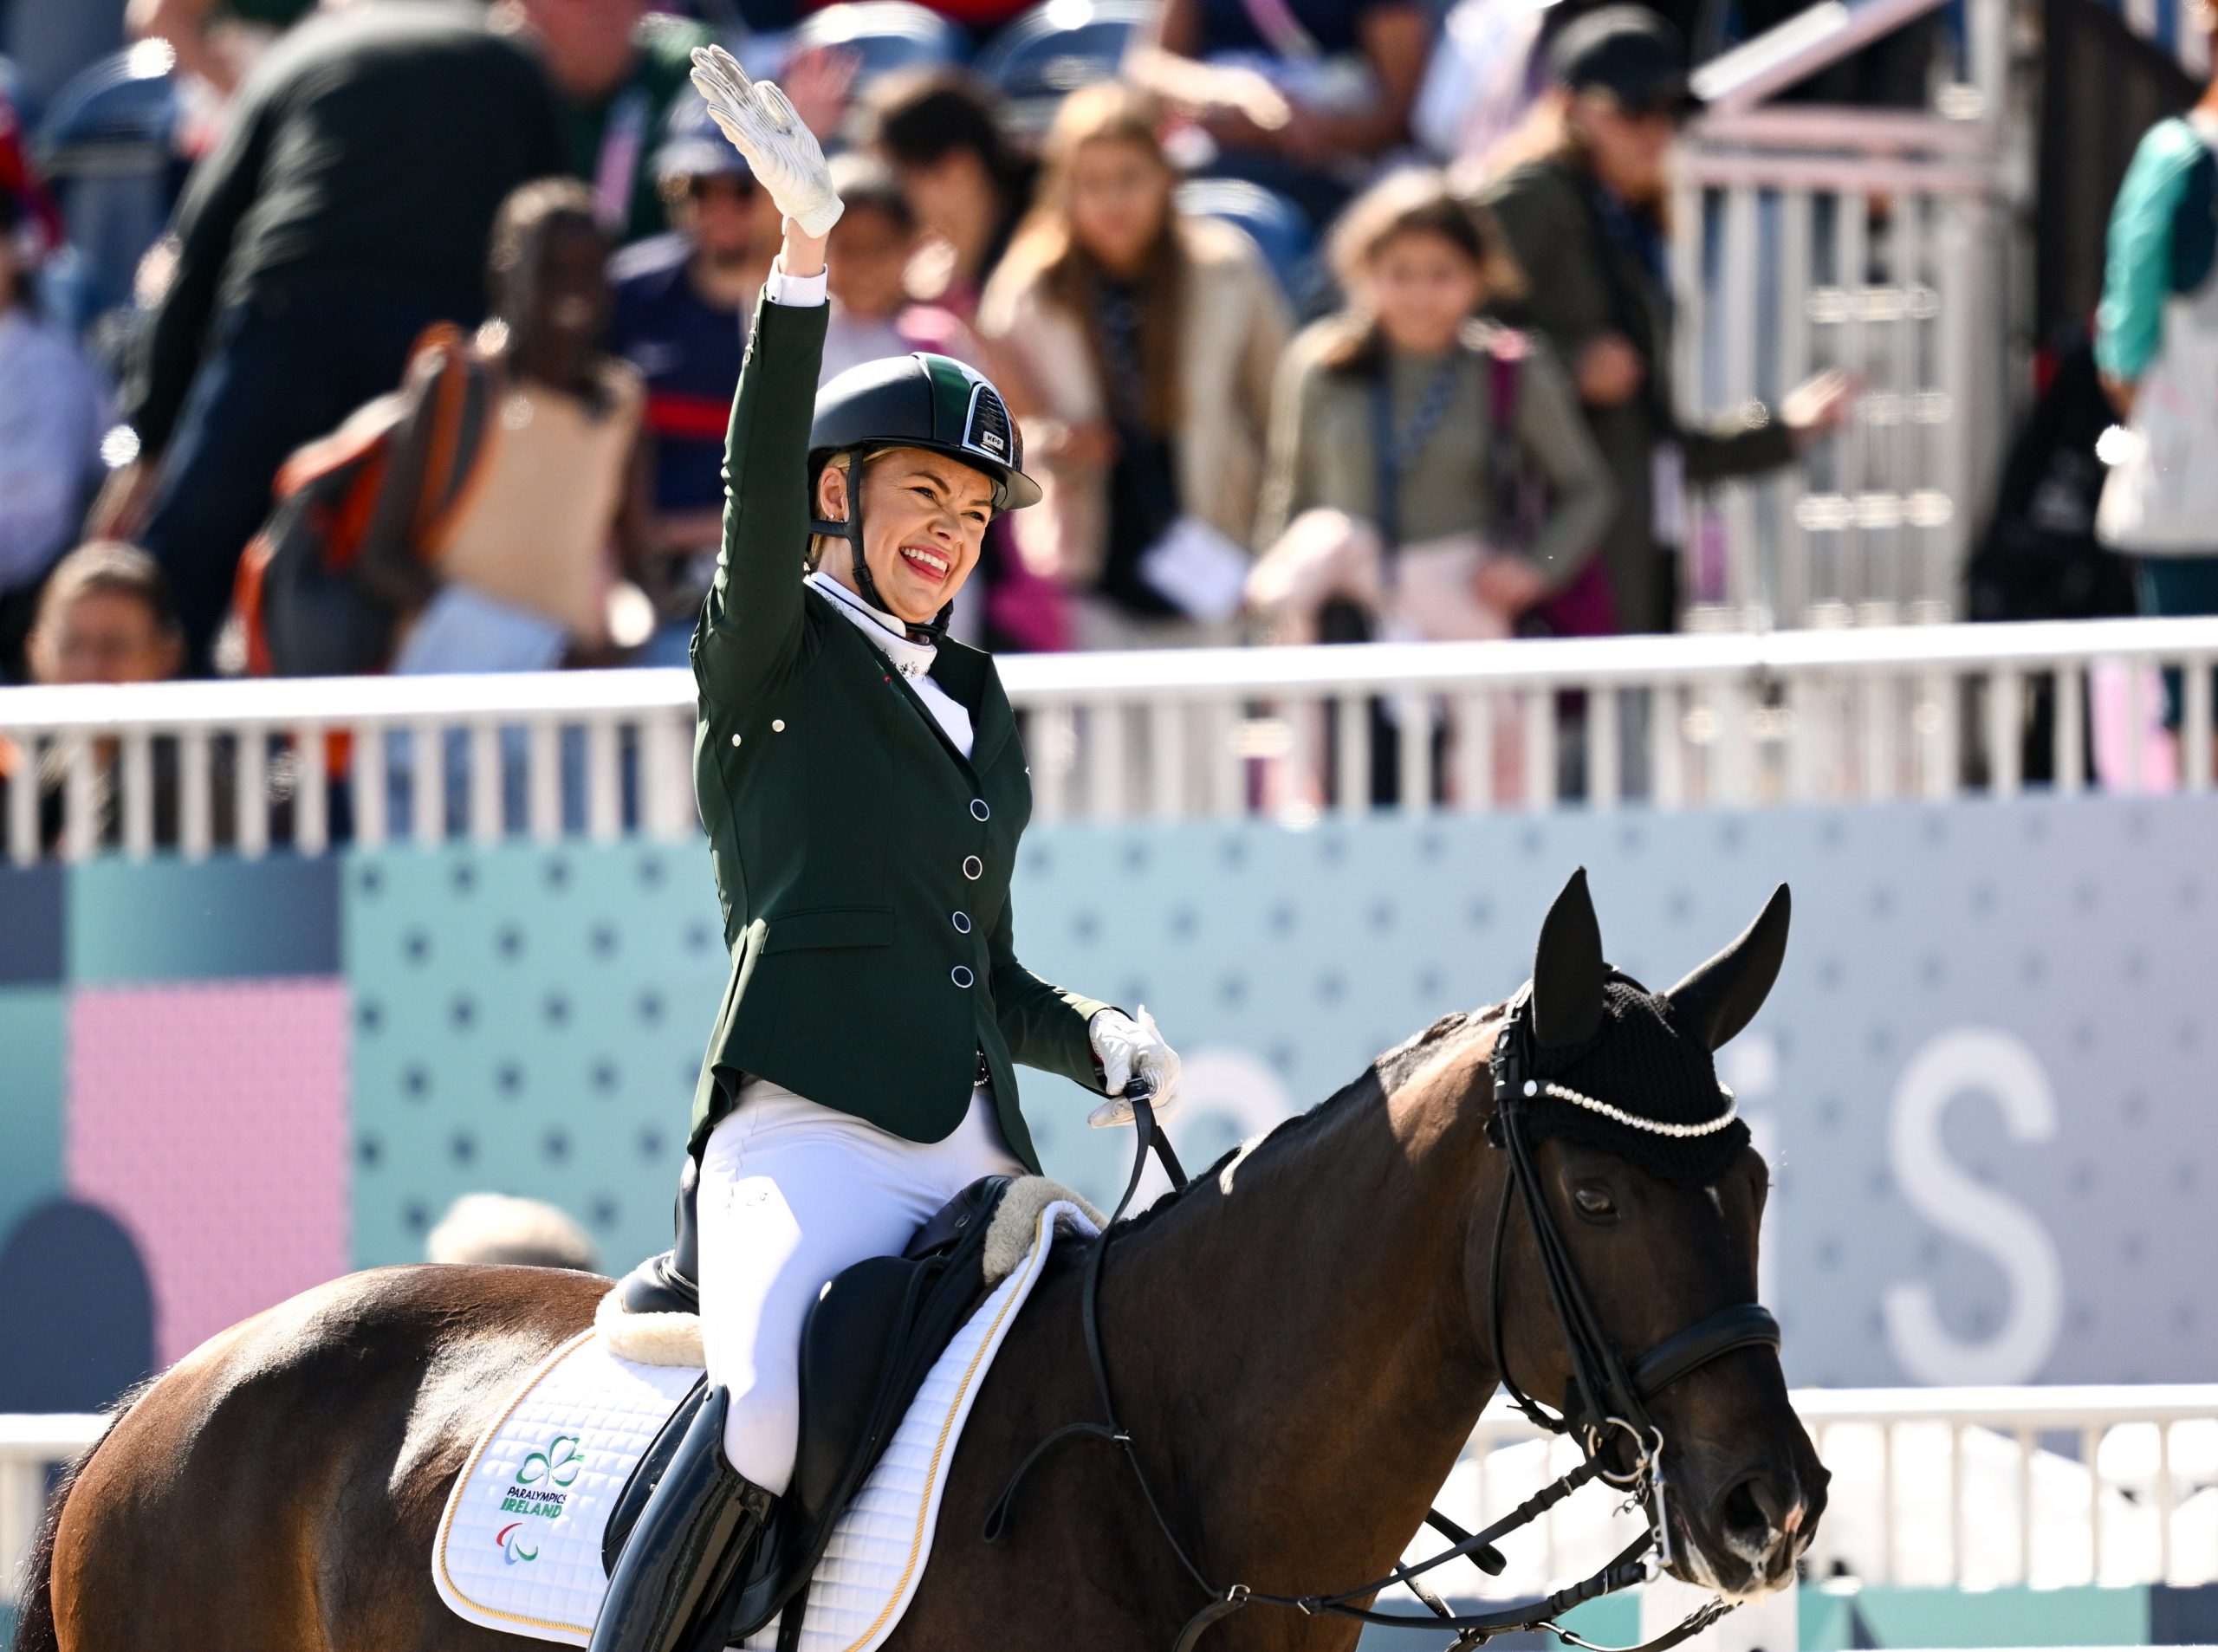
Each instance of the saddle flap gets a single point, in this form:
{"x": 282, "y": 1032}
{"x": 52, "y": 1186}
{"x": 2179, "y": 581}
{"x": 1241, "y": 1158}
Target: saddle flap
{"x": 850, "y": 1344}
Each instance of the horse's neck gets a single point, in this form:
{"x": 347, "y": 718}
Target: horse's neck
{"x": 1296, "y": 1356}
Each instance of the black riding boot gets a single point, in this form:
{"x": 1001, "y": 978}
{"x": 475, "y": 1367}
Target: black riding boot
{"x": 695, "y": 1534}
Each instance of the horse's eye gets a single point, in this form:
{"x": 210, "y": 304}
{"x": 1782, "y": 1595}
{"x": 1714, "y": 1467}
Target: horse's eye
{"x": 1594, "y": 1200}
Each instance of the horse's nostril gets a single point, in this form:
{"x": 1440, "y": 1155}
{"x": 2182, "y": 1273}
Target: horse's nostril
{"x": 1758, "y": 1505}
{"x": 1740, "y": 1516}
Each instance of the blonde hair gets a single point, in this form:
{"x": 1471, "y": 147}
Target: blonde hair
{"x": 1047, "y": 244}
{"x": 498, "y": 1228}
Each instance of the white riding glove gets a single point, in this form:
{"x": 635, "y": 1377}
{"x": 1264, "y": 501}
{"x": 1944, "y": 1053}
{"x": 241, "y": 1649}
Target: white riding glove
{"x": 780, "y": 149}
{"x": 1125, "y": 1047}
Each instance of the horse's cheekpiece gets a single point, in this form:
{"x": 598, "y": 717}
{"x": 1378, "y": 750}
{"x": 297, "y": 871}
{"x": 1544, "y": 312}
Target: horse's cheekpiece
{"x": 1576, "y": 1018}
{"x": 524, "y": 1544}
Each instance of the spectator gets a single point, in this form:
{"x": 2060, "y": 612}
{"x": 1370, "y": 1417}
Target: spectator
{"x": 1139, "y": 344}
{"x": 872, "y": 315}
{"x": 1393, "y": 487}
{"x": 53, "y": 409}
{"x": 35, "y": 204}
{"x": 1301, "y": 96}
{"x": 215, "y": 41}
{"x": 500, "y": 1229}
{"x": 521, "y": 573}
{"x": 1584, "y": 223}
{"x": 345, "y": 211}
{"x": 683, "y": 301}
{"x": 622, "y": 71}
{"x": 2156, "y": 344}
{"x": 939, "y": 131}
{"x": 105, "y": 617}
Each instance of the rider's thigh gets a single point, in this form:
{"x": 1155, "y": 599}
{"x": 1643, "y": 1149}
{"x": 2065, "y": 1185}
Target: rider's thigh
{"x": 786, "y": 1202}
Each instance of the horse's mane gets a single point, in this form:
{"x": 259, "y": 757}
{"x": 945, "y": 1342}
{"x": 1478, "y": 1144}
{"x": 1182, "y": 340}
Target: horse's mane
{"x": 1386, "y": 1073}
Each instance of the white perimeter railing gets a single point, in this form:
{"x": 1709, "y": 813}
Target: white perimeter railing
{"x": 1729, "y": 719}
{"x": 1971, "y": 1488}
{"x": 1962, "y": 1488}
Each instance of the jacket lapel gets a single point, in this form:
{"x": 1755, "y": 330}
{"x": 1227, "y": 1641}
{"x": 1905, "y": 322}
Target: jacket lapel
{"x": 968, "y": 673}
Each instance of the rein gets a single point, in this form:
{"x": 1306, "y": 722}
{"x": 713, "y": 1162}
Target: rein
{"x": 1606, "y": 1410}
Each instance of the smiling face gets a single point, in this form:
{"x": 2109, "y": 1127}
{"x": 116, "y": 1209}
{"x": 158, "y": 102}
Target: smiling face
{"x": 925, "y": 518}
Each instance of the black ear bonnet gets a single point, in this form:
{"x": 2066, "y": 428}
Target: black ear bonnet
{"x": 1639, "y": 1062}
{"x": 1580, "y": 1025}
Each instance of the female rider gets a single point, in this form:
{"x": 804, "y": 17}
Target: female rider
{"x": 863, "y": 789}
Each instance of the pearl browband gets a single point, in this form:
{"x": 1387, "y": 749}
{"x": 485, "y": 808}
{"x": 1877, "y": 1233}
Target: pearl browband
{"x": 1654, "y": 1126}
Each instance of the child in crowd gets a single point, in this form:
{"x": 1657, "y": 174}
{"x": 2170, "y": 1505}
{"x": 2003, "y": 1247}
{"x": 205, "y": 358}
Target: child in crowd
{"x": 106, "y": 615}
{"x": 521, "y": 575}
{"x": 940, "y": 131}
{"x": 1404, "y": 433}
{"x": 872, "y": 316}
{"x": 1431, "y": 477}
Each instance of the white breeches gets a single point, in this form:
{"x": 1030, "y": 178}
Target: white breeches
{"x": 792, "y": 1193}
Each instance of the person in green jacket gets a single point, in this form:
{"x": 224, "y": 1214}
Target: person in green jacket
{"x": 863, "y": 788}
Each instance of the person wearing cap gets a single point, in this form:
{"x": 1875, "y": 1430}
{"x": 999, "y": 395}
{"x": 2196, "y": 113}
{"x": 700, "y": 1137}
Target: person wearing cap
{"x": 1585, "y": 223}
{"x": 863, "y": 788}
{"x": 680, "y": 317}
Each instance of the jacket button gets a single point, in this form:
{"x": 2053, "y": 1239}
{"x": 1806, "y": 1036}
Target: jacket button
{"x": 735, "y": 740}
{"x": 777, "y": 725}
{"x": 961, "y": 974}
{"x": 973, "y": 868}
{"x": 963, "y": 923}
{"x": 978, "y": 809}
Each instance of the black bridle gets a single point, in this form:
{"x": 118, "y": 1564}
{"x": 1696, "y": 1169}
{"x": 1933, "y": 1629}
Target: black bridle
{"x": 1605, "y": 1407}
{"x": 1606, "y": 1401}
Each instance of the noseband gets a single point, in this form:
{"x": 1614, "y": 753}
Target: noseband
{"x": 1606, "y": 1402}
{"x": 1606, "y": 1406}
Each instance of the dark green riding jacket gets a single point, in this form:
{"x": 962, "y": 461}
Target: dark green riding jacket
{"x": 862, "y": 862}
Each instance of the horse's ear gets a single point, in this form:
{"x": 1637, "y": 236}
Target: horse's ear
{"x": 1723, "y": 996}
{"x": 1567, "y": 970}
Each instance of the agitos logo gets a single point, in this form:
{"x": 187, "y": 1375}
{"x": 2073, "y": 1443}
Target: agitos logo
{"x": 538, "y": 1491}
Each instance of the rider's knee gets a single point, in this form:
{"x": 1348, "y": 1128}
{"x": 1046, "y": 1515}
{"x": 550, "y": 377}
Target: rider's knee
{"x": 762, "y": 1433}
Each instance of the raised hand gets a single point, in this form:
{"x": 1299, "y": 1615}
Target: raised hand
{"x": 764, "y": 127}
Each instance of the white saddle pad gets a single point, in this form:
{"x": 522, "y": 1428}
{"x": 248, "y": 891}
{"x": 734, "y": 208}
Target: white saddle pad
{"x": 518, "y": 1548}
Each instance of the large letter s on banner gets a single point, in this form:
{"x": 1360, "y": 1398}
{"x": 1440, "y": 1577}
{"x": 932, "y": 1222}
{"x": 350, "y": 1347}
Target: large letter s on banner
{"x": 2000, "y": 1066}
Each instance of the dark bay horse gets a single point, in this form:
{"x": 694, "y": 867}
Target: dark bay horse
{"x": 1300, "y": 1345}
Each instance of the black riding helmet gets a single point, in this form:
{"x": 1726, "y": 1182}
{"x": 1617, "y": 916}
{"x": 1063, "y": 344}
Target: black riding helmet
{"x": 921, "y": 400}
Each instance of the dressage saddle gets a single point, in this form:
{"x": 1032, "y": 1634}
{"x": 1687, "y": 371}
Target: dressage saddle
{"x": 866, "y": 1348}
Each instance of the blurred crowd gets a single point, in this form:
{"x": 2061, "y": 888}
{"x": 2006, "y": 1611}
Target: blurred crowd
{"x": 1325, "y": 319}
